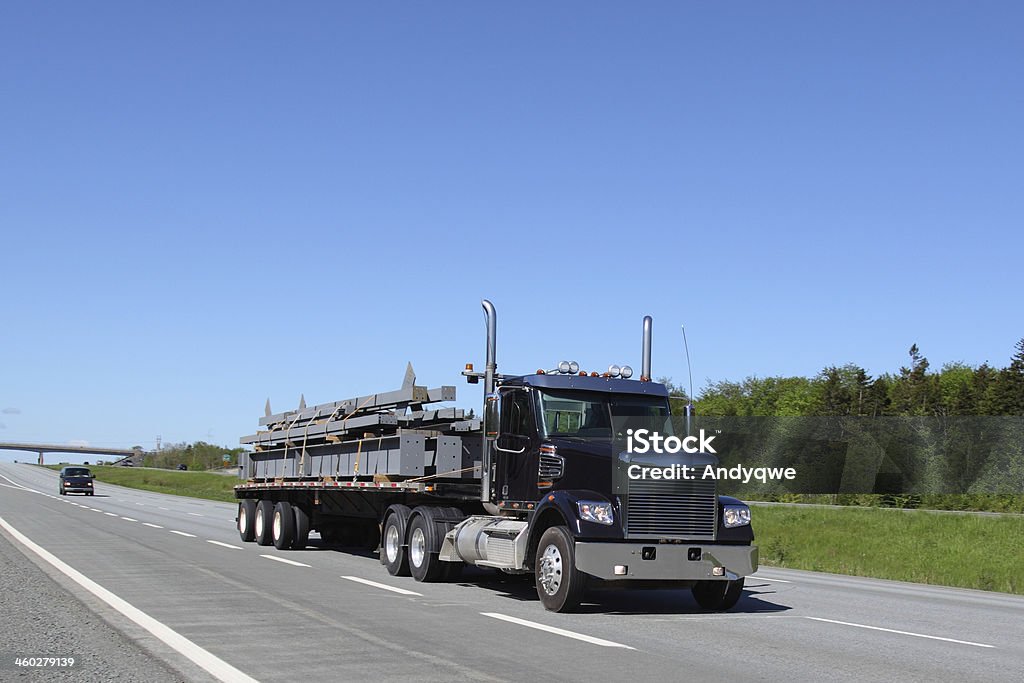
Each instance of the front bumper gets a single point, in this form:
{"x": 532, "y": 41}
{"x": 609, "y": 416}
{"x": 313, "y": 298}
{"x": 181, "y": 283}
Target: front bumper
{"x": 670, "y": 562}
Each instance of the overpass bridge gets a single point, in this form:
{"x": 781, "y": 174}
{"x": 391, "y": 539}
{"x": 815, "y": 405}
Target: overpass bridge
{"x": 42, "y": 448}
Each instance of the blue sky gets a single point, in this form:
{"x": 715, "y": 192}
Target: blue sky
{"x": 206, "y": 204}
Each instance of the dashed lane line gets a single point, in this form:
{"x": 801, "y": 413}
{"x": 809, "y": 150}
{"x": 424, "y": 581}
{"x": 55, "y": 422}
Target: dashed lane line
{"x": 181, "y": 533}
{"x": 902, "y": 633}
{"x": 224, "y": 545}
{"x": 281, "y": 559}
{"x": 382, "y": 586}
{"x": 557, "y": 631}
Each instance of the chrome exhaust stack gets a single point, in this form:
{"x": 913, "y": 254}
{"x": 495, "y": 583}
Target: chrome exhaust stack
{"x": 645, "y": 369}
{"x": 492, "y": 344}
{"x": 490, "y": 371}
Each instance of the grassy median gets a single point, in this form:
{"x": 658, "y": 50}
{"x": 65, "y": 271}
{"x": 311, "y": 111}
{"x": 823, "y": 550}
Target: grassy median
{"x": 968, "y": 551}
{"x": 206, "y": 485}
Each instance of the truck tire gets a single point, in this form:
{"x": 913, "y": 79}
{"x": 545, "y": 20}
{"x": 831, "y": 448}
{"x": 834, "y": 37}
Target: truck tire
{"x": 559, "y": 584}
{"x": 301, "y": 528}
{"x": 717, "y": 596}
{"x": 247, "y": 519}
{"x": 262, "y": 521}
{"x": 282, "y": 527}
{"x": 393, "y": 544}
{"x": 424, "y": 542}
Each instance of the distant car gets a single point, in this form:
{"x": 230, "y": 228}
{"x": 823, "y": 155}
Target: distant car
{"x": 182, "y": 466}
{"x": 128, "y": 463}
{"x": 74, "y": 479}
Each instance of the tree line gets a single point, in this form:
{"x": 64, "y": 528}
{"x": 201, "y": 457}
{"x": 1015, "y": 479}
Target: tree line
{"x": 957, "y": 389}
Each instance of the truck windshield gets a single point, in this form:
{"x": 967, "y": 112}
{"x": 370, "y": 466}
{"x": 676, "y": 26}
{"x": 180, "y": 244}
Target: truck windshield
{"x": 591, "y": 415}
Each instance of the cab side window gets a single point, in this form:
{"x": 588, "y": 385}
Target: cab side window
{"x": 516, "y": 416}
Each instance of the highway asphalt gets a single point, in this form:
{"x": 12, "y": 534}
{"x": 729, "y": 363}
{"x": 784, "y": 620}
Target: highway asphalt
{"x": 213, "y": 607}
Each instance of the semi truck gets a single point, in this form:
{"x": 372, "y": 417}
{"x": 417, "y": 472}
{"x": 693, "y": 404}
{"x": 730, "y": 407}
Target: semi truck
{"x": 537, "y": 484}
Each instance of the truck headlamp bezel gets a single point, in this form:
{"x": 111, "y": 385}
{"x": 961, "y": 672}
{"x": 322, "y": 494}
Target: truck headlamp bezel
{"x": 596, "y": 511}
{"x": 735, "y": 515}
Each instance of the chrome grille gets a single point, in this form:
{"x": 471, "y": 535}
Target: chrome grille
{"x": 672, "y": 509}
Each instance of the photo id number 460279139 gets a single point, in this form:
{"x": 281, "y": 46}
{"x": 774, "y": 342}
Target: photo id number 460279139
{"x": 17, "y": 661}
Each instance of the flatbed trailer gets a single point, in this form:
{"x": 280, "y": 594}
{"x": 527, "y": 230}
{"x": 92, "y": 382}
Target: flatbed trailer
{"x": 535, "y": 485}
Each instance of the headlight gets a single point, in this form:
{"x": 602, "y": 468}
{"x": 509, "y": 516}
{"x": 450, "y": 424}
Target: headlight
{"x": 736, "y": 515}
{"x": 596, "y": 511}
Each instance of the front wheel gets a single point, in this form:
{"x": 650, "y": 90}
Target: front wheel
{"x": 717, "y": 596}
{"x": 560, "y": 585}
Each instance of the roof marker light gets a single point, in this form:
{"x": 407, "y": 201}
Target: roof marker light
{"x": 574, "y": 367}
{"x": 626, "y": 372}
{"x": 563, "y": 367}
{"x": 614, "y": 370}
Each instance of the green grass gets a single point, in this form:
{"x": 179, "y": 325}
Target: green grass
{"x": 968, "y": 551}
{"x": 196, "y": 484}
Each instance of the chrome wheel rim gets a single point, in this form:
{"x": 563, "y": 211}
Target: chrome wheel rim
{"x": 277, "y": 525}
{"x": 417, "y": 547}
{"x": 242, "y": 519}
{"x": 551, "y": 569}
{"x": 391, "y": 543}
{"x": 259, "y": 521}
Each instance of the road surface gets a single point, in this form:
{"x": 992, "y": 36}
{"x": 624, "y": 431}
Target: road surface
{"x": 214, "y": 608}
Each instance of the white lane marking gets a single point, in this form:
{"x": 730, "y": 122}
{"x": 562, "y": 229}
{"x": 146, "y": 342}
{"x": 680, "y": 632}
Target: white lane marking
{"x": 181, "y": 533}
{"x": 19, "y": 486}
{"x": 761, "y": 578}
{"x": 213, "y": 664}
{"x": 384, "y": 586}
{"x": 223, "y": 545}
{"x": 195, "y": 514}
{"x": 155, "y": 526}
{"x": 16, "y": 488}
{"x": 902, "y": 633}
{"x": 558, "y": 631}
{"x": 96, "y": 510}
{"x": 140, "y": 503}
{"x": 129, "y": 519}
{"x": 164, "y": 508}
{"x": 110, "y": 513}
{"x": 281, "y": 559}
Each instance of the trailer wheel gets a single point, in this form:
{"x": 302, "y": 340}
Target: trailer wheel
{"x": 559, "y": 584}
{"x": 246, "y": 519}
{"x": 717, "y": 596}
{"x": 393, "y": 545}
{"x": 264, "y": 513}
{"x": 301, "y": 528}
{"x": 282, "y": 528}
{"x": 424, "y": 543}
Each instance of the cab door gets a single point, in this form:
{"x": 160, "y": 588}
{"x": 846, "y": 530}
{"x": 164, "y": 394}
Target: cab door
{"x": 516, "y": 448}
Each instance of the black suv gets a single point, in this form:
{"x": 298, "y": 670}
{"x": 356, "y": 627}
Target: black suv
{"x": 76, "y": 480}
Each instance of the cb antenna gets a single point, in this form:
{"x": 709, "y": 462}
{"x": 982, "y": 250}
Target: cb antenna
{"x": 689, "y": 370}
